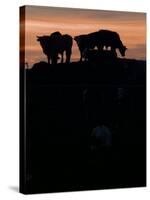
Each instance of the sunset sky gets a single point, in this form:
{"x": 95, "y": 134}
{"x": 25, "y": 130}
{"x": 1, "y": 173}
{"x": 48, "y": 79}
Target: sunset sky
{"x": 40, "y": 21}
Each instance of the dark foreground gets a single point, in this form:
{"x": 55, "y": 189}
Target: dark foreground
{"x": 63, "y": 105}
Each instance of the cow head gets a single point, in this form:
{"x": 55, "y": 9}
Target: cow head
{"x": 44, "y": 40}
{"x": 123, "y": 50}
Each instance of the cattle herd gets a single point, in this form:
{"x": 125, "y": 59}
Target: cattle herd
{"x": 57, "y": 44}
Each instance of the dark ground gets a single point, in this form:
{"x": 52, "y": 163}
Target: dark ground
{"x": 64, "y": 103}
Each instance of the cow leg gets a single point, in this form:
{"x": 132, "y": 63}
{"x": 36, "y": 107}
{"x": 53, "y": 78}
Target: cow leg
{"x": 54, "y": 59}
{"x": 106, "y": 47}
{"x": 81, "y": 53}
{"x": 81, "y": 56}
{"x": 68, "y": 55}
{"x": 100, "y": 47}
{"x": 114, "y": 51}
{"x": 48, "y": 58}
{"x": 62, "y": 57}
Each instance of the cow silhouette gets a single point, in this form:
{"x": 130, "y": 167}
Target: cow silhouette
{"x": 100, "y": 39}
{"x": 110, "y": 39}
{"x": 86, "y": 42}
{"x": 56, "y": 44}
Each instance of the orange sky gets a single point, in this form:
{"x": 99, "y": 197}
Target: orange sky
{"x": 45, "y": 20}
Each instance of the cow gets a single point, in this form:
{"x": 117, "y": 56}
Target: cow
{"x": 44, "y": 42}
{"x": 56, "y": 44}
{"x": 85, "y": 43}
{"x": 110, "y": 39}
{"x": 100, "y": 40}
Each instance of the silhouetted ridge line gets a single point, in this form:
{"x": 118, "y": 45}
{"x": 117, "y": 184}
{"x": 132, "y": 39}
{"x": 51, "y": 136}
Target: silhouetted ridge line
{"x": 108, "y": 71}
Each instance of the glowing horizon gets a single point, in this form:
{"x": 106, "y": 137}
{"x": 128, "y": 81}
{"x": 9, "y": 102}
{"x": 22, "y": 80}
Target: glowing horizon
{"x": 39, "y": 20}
